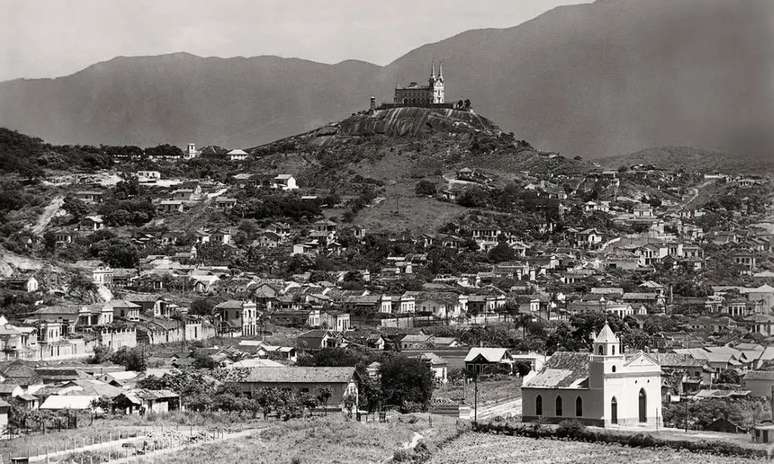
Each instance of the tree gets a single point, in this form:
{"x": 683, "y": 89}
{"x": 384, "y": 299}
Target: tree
{"x": 406, "y": 382}
{"x": 164, "y": 150}
{"x": 204, "y": 306}
{"x": 75, "y": 207}
{"x": 332, "y": 357}
{"x": 118, "y": 253}
{"x": 202, "y": 360}
{"x": 425, "y": 187}
{"x": 501, "y": 252}
{"x": 475, "y": 197}
{"x": 323, "y": 395}
{"x": 102, "y": 353}
{"x": 131, "y": 358}
{"x": 81, "y": 285}
{"x": 127, "y": 188}
{"x": 729, "y": 376}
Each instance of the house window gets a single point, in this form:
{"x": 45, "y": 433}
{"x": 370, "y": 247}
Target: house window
{"x": 579, "y": 406}
{"x": 613, "y": 368}
{"x": 601, "y": 350}
{"x": 539, "y": 406}
{"x": 558, "y": 405}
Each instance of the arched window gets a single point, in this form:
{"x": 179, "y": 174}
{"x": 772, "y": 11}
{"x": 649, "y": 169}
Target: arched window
{"x": 613, "y": 347}
{"x": 539, "y": 406}
{"x": 558, "y": 406}
{"x": 614, "y": 411}
{"x": 613, "y": 368}
{"x": 643, "y": 400}
{"x": 579, "y": 407}
{"x": 601, "y": 350}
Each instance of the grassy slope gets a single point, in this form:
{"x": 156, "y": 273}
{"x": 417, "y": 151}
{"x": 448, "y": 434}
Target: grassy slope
{"x": 692, "y": 158}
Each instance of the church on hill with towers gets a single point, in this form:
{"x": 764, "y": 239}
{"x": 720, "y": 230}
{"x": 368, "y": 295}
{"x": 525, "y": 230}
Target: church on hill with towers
{"x": 605, "y": 388}
{"x": 423, "y": 95}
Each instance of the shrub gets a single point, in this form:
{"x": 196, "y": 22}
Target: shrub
{"x": 425, "y": 187}
{"x": 570, "y": 428}
{"x": 402, "y": 455}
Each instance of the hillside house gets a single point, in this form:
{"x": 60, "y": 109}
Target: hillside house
{"x": 486, "y": 360}
{"x": 284, "y": 182}
{"x": 237, "y": 318}
{"x": 90, "y": 196}
{"x": 237, "y": 155}
{"x": 316, "y": 340}
{"x": 334, "y": 320}
{"x": 28, "y": 284}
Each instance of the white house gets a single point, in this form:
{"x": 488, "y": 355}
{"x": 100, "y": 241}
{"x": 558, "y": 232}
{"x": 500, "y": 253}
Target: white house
{"x": 237, "y": 155}
{"x": 604, "y": 388}
{"x": 285, "y": 182}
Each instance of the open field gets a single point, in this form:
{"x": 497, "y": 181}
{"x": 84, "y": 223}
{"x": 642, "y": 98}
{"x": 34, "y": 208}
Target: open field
{"x": 488, "y": 392}
{"x": 474, "y": 448}
{"x": 327, "y": 440}
{"x": 403, "y": 210}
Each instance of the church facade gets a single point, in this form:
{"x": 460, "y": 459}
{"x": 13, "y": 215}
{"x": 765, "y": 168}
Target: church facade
{"x": 423, "y": 95}
{"x": 604, "y": 388}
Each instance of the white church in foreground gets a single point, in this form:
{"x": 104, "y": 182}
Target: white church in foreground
{"x": 604, "y": 388}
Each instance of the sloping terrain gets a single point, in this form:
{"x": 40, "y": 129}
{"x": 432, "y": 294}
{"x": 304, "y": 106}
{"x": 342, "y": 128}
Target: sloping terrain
{"x": 691, "y": 158}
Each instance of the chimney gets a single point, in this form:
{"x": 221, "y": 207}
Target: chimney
{"x": 373, "y": 103}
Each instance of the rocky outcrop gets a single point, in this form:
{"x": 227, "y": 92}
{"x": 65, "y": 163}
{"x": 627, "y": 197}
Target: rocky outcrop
{"x": 411, "y": 122}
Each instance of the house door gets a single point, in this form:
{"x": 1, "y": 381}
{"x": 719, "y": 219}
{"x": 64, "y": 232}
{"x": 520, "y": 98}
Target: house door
{"x": 643, "y": 400}
{"x": 614, "y": 411}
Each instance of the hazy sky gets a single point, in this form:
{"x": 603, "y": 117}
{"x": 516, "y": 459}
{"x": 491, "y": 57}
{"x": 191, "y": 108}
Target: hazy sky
{"x": 46, "y": 38}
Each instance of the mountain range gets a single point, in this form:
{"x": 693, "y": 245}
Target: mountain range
{"x": 601, "y": 79}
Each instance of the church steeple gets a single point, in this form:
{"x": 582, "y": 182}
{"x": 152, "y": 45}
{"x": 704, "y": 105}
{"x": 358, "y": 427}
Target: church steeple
{"x": 440, "y": 71}
{"x": 606, "y": 343}
{"x": 432, "y": 71}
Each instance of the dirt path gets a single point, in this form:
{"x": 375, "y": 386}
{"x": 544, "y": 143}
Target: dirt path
{"x": 504, "y": 409}
{"x": 48, "y": 213}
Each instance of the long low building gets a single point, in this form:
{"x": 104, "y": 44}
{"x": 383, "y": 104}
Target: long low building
{"x": 341, "y": 382}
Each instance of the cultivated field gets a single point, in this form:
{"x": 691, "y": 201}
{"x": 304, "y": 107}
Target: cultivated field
{"x": 475, "y": 448}
{"x": 321, "y": 440}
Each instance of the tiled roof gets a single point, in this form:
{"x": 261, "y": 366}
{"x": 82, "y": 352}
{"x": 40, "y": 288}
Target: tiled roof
{"x": 563, "y": 369}
{"x": 301, "y": 375}
{"x": 492, "y": 355}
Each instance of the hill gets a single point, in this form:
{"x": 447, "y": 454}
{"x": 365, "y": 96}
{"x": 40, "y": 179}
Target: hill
{"x": 691, "y": 158}
{"x": 597, "y": 79}
{"x": 381, "y": 156}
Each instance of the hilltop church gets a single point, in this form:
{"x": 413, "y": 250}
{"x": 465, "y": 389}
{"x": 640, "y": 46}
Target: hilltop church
{"x": 423, "y": 95}
{"x": 604, "y": 388}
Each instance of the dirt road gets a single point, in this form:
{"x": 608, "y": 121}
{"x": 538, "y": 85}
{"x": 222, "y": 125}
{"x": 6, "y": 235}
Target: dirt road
{"x": 48, "y": 213}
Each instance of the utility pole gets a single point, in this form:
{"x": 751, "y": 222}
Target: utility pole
{"x": 475, "y": 393}
{"x": 686, "y": 415}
